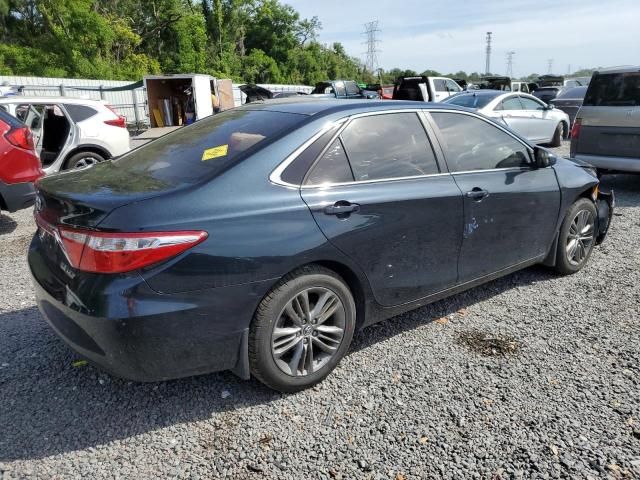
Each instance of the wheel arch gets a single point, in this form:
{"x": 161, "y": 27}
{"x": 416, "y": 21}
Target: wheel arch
{"x": 86, "y": 148}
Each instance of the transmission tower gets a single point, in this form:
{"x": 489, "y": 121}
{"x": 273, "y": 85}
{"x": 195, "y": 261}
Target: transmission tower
{"x": 550, "y": 65}
{"x": 372, "y": 31}
{"x": 510, "y": 63}
{"x": 487, "y": 68}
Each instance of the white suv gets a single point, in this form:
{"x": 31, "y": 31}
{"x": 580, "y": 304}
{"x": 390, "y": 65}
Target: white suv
{"x": 70, "y": 132}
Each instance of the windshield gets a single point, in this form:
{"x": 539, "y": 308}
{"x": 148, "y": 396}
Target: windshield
{"x": 207, "y": 147}
{"x": 471, "y": 100}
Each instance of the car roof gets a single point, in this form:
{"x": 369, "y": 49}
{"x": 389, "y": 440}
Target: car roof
{"x": 79, "y": 101}
{"x": 322, "y": 107}
{"x": 625, "y": 69}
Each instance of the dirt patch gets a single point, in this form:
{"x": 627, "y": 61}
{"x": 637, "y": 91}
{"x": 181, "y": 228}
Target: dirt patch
{"x": 488, "y": 344}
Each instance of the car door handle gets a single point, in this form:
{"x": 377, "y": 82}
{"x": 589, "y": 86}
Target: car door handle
{"x": 341, "y": 208}
{"x": 477, "y": 194}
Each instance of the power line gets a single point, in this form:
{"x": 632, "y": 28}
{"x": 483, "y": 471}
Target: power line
{"x": 372, "y": 31}
{"x": 487, "y": 68}
{"x": 510, "y": 63}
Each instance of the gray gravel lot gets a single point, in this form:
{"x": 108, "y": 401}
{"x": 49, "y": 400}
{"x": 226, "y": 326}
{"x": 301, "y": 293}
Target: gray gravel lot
{"x": 556, "y": 395}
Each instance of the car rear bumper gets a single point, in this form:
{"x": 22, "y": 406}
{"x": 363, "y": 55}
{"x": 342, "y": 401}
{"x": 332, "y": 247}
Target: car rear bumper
{"x": 17, "y": 196}
{"x": 153, "y": 337}
{"x": 620, "y": 164}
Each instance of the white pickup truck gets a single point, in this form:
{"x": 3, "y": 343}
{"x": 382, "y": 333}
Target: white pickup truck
{"x": 425, "y": 89}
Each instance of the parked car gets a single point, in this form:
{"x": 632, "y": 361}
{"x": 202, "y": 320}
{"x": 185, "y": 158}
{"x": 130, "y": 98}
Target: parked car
{"x": 606, "y": 132}
{"x": 520, "y": 87}
{"x": 70, "y": 133}
{"x": 305, "y": 222}
{"x": 569, "y": 101}
{"x": 547, "y": 94}
{"x": 425, "y": 89}
{"x": 525, "y": 114}
{"x": 19, "y": 164}
{"x": 288, "y": 94}
{"x": 255, "y": 93}
{"x": 342, "y": 89}
{"x": 577, "y": 82}
{"x": 533, "y": 86}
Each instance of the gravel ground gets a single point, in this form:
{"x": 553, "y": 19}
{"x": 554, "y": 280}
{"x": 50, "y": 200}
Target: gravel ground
{"x": 530, "y": 376}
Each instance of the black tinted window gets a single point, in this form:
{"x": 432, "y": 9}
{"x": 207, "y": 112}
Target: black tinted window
{"x": 207, "y": 147}
{"x": 474, "y": 144}
{"x": 388, "y": 146}
{"x": 331, "y": 167}
{"x": 470, "y": 100}
{"x": 79, "y": 113}
{"x": 577, "y": 92}
{"x": 614, "y": 90}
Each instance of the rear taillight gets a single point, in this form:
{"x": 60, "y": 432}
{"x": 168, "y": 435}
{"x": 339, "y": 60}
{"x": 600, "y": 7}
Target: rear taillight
{"x": 116, "y": 122}
{"x": 100, "y": 252}
{"x": 21, "y": 137}
{"x": 575, "y": 130}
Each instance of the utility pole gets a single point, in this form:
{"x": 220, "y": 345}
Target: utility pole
{"x": 550, "y": 65}
{"x": 487, "y": 69}
{"x": 372, "y": 31}
{"x": 569, "y": 69}
{"x": 510, "y": 63}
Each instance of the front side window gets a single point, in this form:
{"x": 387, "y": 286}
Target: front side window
{"x": 529, "y": 104}
{"x": 340, "y": 90}
{"x": 474, "y": 144}
{"x": 388, "y": 146}
{"x": 511, "y": 103}
{"x": 439, "y": 85}
{"x": 352, "y": 88}
{"x": 453, "y": 86}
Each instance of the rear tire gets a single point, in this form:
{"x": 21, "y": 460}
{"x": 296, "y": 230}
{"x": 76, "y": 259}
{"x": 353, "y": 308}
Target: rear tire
{"x": 558, "y": 135}
{"x": 577, "y": 237}
{"x": 84, "y": 160}
{"x": 301, "y": 330}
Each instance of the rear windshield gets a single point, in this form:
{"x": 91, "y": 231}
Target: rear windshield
{"x": 614, "y": 90}
{"x": 207, "y": 147}
{"x": 471, "y": 101}
{"x": 577, "y": 92}
{"x": 10, "y": 120}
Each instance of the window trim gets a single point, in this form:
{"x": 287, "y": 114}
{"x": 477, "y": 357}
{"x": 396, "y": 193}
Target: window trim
{"x": 431, "y": 130}
{"x": 275, "y": 176}
{"x": 441, "y": 142}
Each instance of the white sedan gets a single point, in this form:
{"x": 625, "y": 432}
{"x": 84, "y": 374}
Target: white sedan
{"x": 530, "y": 117}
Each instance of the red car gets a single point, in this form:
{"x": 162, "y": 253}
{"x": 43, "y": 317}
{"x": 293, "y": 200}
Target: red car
{"x": 19, "y": 164}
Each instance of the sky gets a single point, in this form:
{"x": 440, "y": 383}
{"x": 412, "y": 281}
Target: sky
{"x": 449, "y": 36}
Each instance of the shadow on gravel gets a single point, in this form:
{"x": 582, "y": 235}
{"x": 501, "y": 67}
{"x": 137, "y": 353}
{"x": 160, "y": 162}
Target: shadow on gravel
{"x": 626, "y": 188}
{"x": 448, "y": 306}
{"x": 49, "y": 407}
{"x": 7, "y": 224}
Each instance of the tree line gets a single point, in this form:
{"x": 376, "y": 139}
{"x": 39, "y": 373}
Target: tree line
{"x": 260, "y": 41}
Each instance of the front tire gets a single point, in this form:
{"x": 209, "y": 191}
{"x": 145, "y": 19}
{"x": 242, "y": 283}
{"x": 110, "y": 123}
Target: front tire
{"x": 577, "y": 237}
{"x": 558, "y": 135}
{"x": 301, "y": 330}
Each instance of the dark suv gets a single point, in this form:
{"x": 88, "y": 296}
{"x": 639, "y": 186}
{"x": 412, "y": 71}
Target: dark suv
{"x": 606, "y": 132}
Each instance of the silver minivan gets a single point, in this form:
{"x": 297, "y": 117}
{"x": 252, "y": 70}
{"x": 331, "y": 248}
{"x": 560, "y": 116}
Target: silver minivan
{"x": 606, "y": 132}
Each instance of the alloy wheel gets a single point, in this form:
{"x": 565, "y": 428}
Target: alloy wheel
{"x": 308, "y": 331}
{"x": 86, "y": 162}
{"x": 580, "y": 237}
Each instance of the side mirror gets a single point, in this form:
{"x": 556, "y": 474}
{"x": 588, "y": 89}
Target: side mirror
{"x": 551, "y": 106}
{"x": 542, "y": 158}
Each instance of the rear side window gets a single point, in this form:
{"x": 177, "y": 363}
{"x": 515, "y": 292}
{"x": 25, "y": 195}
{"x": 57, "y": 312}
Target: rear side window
{"x": 474, "y": 144}
{"x": 388, "y": 146}
{"x": 204, "y": 149}
{"x": 614, "y": 90}
{"x": 470, "y": 100}
{"x": 331, "y": 167}
{"x": 78, "y": 113}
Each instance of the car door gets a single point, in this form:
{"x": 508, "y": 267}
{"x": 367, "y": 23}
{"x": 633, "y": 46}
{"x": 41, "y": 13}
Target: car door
{"x": 33, "y": 117}
{"x": 439, "y": 89}
{"x": 378, "y": 195}
{"x": 542, "y": 121}
{"x": 510, "y": 206}
{"x": 513, "y": 115}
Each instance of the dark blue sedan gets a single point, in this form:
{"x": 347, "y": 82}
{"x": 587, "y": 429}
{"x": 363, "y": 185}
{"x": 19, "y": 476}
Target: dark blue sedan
{"x": 258, "y": 240}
